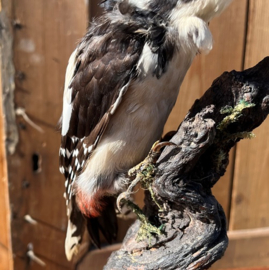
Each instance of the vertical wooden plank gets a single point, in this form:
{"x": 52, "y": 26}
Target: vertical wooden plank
{"x": 250, "y": 202}
{"x": 6, "y": 261}
{"x": 5, "y": 232}
{"x": 48, "y": 33}
{"x": 229, "y": 34}
{"x": 98, "y": 258}
{"x": 248, "y": 249}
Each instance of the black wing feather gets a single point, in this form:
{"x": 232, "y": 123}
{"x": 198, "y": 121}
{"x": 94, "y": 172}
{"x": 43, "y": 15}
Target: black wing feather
{"x": 102, "y": 68}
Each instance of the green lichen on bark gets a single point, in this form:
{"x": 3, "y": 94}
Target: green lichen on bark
{"x": 233, "y": 114}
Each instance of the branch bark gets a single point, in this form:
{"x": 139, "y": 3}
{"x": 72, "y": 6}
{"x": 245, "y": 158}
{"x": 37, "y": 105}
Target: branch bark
{"x": 194, "y": 223}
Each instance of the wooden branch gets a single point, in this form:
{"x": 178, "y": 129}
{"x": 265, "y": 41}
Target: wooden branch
{"x": 194, "y": 234}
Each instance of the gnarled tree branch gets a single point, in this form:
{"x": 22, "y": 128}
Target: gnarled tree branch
{"x": 194, "y": 223}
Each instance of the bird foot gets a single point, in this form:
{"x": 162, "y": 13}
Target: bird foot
{"x": 151, "y": 159}
{"x": 125, "y": 197}
{"x": 144, "y": 173}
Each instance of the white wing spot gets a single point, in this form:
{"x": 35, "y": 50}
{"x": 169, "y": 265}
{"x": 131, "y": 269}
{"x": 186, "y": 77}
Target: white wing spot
{"x": 74, "y": 139}
{"x": 69, "y": 189}
{"x": 62, "y": 152}
{"x": 90, "y": 148}
{"x": 75, "y": 153}
{"x": 68, "y": 154}
{"x": 70, "y": 194}
{"x": 62, "y": 170}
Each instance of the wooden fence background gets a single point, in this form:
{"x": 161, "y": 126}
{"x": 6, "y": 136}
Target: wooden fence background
{"x": 44, "y": 34}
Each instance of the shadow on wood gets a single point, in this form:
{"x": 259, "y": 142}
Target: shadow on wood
{"x": 194, "y": 225}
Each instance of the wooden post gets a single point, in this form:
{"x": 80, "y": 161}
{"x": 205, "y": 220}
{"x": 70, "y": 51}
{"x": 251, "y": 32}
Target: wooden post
{"x": 6, "y": 262}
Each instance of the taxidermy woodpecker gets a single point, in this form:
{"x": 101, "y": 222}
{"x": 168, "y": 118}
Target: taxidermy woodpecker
{"x": 121, "y": 84}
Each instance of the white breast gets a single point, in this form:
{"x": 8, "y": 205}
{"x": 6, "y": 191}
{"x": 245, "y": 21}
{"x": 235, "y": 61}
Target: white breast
{"x": 136, "y": 124}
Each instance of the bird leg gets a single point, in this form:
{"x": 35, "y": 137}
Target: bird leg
{"x": 146, "y": 228}
{"x": 144, "y": 173}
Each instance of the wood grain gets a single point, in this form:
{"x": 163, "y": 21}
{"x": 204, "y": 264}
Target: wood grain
{"x": 250, "y": 202}
{"x": 248, "y": 250}
{"x": 48, "y": 34}
{"x": 5, "y": 231}
{"x": 98, "y": 258}
{"x": 229, "y": 38}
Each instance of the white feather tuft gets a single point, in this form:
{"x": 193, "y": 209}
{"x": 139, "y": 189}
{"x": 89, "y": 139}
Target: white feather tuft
{"x": 203, "y": 9}
{"x": 147, "y": 62}
{"x": 195, "y": 34}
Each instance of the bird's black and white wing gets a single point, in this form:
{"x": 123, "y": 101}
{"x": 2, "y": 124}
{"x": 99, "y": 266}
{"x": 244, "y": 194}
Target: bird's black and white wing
{"x": 97, "y": 77}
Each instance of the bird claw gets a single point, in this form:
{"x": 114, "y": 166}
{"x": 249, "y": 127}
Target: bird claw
{"x": 152, "y": 157}
{"x": 144, "y": 172}
{"x": 122, "y": 196}
{"x": 155, "y": 151}
{"x": 145, "y": 169}
{"x": 126, "y": 195}
{"x": 158, "y": 146}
